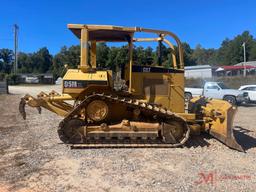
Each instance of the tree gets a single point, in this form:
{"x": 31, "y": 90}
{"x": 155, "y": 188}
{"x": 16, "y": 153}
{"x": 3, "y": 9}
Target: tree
{"x": 69, "y": 56}
{"x": 203, "y": 56}
{"x": 25, "y": 63}
{"x": 188, "y": 59}
{"x": 252, "y": 52}
{"x": 42, "y": 61}
{"x": 6, "y": 60}
{"x": 143, "y": 56}
{"x": 231, "y": 51}
{"x": 164, "y": 55}
{"x": 115, "y": 58}
{"x": 199, "y": 55}
{"x": 102, "y": 55}
{"x": 38, "y": 62}
{"x": 118, "y": 58}
{"x": 1, "y": 64}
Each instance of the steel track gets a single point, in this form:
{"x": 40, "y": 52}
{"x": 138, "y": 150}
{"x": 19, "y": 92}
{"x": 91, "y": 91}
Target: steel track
{"x": 159, "y": 113}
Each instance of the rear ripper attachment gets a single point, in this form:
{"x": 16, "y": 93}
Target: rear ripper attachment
{"x": 53, "y": 102}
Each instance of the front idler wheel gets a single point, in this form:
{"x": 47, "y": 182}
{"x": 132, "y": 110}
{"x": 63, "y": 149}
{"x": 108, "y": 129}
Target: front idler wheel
{"x": 174, "y": 132}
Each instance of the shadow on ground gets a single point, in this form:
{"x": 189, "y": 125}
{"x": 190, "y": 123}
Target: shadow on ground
{"x": 243, "y": 139}
{"x": 198, "y": 140}
{"x": 248, "y": 105}
{"x": 241, "y": 134}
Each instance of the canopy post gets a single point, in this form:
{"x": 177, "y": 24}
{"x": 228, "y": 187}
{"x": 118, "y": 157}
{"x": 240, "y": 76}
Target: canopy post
{"x": 84, "y": 50}
{"x": 130, "y": 62}
{"x": 93, "y": 54}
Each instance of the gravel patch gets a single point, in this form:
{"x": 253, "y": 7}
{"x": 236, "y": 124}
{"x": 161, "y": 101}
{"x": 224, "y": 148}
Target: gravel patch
{"x": 34, "y": 159}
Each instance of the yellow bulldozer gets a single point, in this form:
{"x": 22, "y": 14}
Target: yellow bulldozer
{"x": 147, "y": 109}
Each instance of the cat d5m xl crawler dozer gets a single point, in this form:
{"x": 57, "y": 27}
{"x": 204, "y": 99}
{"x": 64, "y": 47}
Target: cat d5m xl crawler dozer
{"x": 147, "y": 108}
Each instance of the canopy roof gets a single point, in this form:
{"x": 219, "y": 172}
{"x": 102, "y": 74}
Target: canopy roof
{"x": 110, "y": 33}
{"x": 232, "y": 67}
{"x": 104, "y": 32}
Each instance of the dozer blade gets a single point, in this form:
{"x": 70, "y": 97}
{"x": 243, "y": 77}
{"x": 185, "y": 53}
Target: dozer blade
{"x": 218, "y": 117}
{"x": 221, "y": 115}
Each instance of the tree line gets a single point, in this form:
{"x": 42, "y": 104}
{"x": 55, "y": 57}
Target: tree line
{"x": 229, "y": 53}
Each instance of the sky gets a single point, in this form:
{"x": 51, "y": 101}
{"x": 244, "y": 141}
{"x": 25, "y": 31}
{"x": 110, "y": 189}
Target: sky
{"x": 44, "y": 22}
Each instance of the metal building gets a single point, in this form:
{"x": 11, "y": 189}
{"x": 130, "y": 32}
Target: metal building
{"x": 198, "y": 71}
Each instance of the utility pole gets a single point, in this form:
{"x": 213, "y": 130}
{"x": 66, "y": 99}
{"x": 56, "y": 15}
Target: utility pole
{"x": 15, "y": 67}
{"x": 244, "y": 60}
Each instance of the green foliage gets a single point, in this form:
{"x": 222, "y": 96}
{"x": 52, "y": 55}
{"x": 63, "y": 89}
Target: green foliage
{"x": 102, "y": 55}
{"x": 203, "y": 56}
{"x": 13, "y": 79}
{"x": 117, "y": 58}
{"x": 67, "y": 56}
{"x": 2, "y": 76}
{"x": 42, "y": 60}
{"x": 230, "y": 53}
{"x": 6, "y": 60}
{"x": 252, "y": 53}
{"x": 25, "y": 63}
{"x": 38, "y": 62}
{"x": 143, "y": 56}
{"x": 188, "y": 58}
{"x": 114, "y": 58}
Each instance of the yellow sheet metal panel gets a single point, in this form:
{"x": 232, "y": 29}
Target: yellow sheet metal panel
{"x": 75, "y": 81}
{"x": 191, "y": 117}
{"x": 176, "y": 94}
{"x": 159, "y": 85}
{"x": 76, "y": 74}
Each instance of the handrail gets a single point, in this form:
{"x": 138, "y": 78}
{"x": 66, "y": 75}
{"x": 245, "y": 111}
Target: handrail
{"x": 179, "y": 44}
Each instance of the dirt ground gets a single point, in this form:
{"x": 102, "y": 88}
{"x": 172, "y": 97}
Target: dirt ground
{"x": 32, "y": 158}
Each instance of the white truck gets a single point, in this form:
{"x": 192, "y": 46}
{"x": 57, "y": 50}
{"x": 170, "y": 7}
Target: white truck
{"x": 251, "y": 89}
{"x": 218, "y": 90}
{"x": 31, "y": 79}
